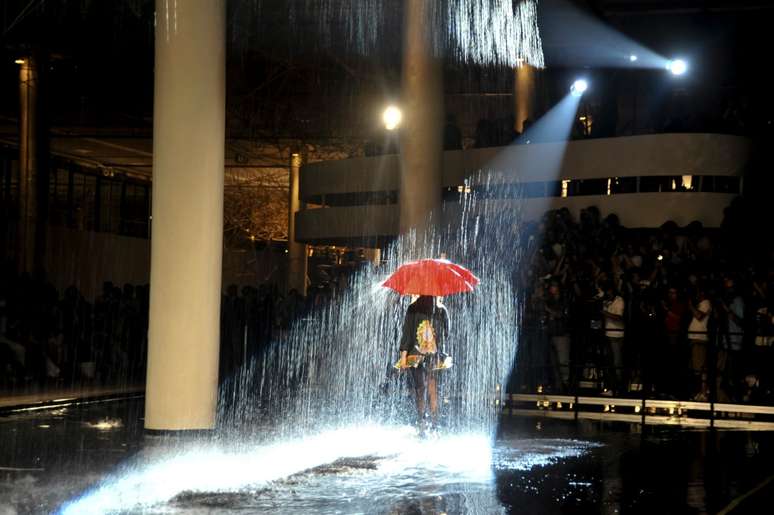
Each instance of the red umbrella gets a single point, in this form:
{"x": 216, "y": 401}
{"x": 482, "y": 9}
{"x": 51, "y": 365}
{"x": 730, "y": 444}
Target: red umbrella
{"x": 436, "y": 277}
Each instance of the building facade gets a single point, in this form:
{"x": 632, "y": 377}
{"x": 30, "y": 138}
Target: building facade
{"x": 644, "y": 180}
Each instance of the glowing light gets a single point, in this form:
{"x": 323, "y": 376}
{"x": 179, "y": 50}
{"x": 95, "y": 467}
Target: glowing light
{"x": 632, "y": 58}
{"x": 565, "y": 186}
{"x": 579, "y": 87}
{"x": 19, "y": 61}
{"x": 105, "y": 424}
{"x": 677, "y": 66}
{"x": 392, "y": 117}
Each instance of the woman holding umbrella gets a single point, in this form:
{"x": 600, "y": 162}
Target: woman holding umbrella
{"x": 426, "y": 325}
{"x": 425, "y": 329}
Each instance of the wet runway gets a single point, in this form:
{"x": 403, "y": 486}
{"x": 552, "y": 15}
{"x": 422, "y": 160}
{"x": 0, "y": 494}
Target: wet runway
{"x": 96, "y": 459}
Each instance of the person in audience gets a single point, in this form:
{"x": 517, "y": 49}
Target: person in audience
{"x": 673, "y": 315}
{"x": 698, "y": 338}
{"x": 613, "y": 313}
{"x": 731, "y": 335}
{"x": 557, "y": 317}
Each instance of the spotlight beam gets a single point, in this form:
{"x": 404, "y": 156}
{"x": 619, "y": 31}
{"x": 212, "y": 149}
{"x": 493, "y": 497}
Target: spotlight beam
{"x": 572, "y": 37}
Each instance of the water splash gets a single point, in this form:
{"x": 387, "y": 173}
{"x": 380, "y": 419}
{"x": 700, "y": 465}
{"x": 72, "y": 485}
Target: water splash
{"x": 165, "y": 474}
{"x": 327, "y": 389}
{"x": 334, "y": 368}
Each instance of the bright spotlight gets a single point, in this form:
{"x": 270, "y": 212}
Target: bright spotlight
{"x": 677, "y": 66}
{"x": 632, "y": 58}
{"x": 579, "y": 87}
{"x": 392, "y": 117}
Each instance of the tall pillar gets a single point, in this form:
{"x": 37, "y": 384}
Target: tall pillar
{"x": 187, "y": 226}
{"x": 421, "y": 143}
{"x": 296, "y": 251}
{"x": 525, "y": 95}
{"x": 28, "y": 96}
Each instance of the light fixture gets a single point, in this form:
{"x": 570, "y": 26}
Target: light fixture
{"x": 632, "y": 58}
{"x": 579, "y": 87}
{"x": 677, "y": 66}
{"x": 19, "y": 61}
{"x": 392, "y": 117}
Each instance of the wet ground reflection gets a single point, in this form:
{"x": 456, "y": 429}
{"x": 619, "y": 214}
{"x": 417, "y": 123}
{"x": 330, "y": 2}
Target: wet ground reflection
{"x": 51, "y": 457}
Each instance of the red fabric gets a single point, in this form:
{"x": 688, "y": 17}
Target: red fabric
{"x": 436, "y": 277}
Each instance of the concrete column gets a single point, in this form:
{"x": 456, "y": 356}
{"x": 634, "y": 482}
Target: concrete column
{"x": 524, "y": 95}
{"x": 187, "y": 226}
{"x": 296, "y": 251}
{"x": 28, "y": 96}
{"x": 421, "y": 144}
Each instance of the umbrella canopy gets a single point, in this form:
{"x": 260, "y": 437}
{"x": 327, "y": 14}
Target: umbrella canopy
{"x": 436, "y": 277}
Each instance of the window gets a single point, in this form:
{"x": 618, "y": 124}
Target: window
{"x": 557, "y": 188}
{"x": 658, "y": 183}
{"x": 534, "y": 189}
{"x": 725, "y": 184}
{"x": 589, "y": 187}
{"x": 623, "y": 185}
{"x": 708, "y": 183}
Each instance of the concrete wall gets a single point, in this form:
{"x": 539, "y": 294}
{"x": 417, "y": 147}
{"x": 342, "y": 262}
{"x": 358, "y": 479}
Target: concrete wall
{"x": 657, "y": 154}
{"x": 87, "y": 259}
{"x": 354, "y": 175}
{"x": 635, "y": 156}
{"x": 340, "y": 224}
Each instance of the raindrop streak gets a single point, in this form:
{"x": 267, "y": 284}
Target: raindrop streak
{"x": 327, "y": 391}
{"x": 333, "y": 369}
{"x": 484, "y": 32}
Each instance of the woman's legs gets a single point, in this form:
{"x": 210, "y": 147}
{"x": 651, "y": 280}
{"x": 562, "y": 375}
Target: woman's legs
{"x": 419, "y": 378}
{"x": 432, "y": 394}
{"x": 425, "y": 392}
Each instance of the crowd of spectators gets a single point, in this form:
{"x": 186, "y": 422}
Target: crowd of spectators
{"x": 670, "y": 312}
{"x": 52, "y": 338}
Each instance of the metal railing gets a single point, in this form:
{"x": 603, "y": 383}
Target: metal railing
{"x": 656, "y": 379}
